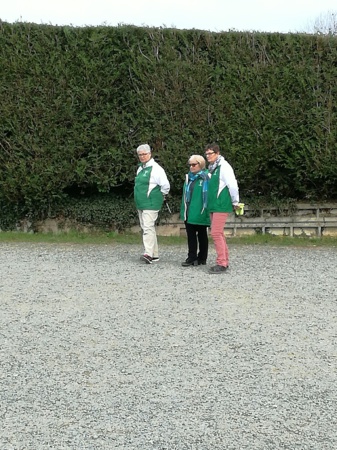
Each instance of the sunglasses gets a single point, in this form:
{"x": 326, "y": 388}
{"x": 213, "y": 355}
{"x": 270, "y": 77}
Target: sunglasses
{"x": 193, "y": 164}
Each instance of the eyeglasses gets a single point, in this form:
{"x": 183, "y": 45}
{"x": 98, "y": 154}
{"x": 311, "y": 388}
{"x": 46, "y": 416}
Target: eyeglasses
{"x": 209, "y": 153}
{"x": 193, "y": 164}
{"x": 142, "y": 154}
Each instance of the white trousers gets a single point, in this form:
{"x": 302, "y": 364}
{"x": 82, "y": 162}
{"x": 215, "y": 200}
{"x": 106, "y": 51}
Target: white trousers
{"x": 147, "y": 219}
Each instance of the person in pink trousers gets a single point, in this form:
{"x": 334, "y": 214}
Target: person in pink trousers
{"x": 223, "y": 198}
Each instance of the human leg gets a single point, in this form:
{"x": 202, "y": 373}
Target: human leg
{"x": 218, "y": 222}
{"x": 191, "y": 240}
{"x": 147, "y": 219}
{"x": 192, "y": 244}
{"x": 203, "y": 243}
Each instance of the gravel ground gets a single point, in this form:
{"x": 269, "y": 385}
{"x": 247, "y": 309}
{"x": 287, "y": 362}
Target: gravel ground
{"x": 101, "y": 351}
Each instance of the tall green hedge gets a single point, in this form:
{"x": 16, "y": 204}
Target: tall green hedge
{"x": 76, "y": 102}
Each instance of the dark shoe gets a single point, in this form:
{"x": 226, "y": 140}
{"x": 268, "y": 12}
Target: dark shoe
{"x": 201, "y": 262}
{"x": 148, "y": 259}
{"x": 218, "y": 269}
{"x": 190, "y": 262}
{"x": 155, "y": 259}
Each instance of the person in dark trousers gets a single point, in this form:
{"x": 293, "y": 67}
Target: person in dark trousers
{"x": 223, "y": 198}
{"x": 194, "y": 211}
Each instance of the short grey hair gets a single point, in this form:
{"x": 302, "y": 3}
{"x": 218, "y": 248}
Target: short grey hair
{"x": 144, "y": 148}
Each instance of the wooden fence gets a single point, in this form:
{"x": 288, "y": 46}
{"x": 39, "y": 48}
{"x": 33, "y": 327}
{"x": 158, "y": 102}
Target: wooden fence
{"x": 305, "y": 219}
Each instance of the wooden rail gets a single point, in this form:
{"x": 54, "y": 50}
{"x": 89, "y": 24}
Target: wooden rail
{"x": 305, "y": 219}
{"x": 322, "y": 218}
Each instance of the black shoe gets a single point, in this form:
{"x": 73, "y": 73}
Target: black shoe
{"x": 201, "y": 262}
{"x": 190, "y": 262}
{"x": 147, "y": 259}
{"x": 218, "y": 269}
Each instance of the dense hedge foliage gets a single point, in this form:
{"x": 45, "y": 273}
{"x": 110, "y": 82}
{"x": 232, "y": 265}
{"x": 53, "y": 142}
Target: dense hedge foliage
{"x": 108, "y": 212}
{"x": 76, "y": 102}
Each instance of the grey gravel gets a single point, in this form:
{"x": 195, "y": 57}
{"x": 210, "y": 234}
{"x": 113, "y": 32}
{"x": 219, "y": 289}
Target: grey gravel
{"x": 102, "y": 351}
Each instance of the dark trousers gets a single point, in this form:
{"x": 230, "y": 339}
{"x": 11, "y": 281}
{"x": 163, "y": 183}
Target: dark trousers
{"x": 197, "y": 234}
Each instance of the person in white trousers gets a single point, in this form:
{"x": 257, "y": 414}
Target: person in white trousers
{"x": 151, "y": 187}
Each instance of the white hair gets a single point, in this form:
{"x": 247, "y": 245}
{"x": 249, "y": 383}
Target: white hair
{"x": 144, "y": 148}
{"x": 199, "y": 159}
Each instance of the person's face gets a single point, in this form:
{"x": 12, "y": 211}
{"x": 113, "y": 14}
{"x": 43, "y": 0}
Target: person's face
{"x": 211, "y": 156}
{"x": 144, "y": 157}
{"x": 194, "y": 166}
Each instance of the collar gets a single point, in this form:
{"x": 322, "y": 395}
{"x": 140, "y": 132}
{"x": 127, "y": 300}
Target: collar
{"x": 147, "y": 164}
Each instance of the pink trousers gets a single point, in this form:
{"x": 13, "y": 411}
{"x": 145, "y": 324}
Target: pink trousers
{"x": 218, "y": 222}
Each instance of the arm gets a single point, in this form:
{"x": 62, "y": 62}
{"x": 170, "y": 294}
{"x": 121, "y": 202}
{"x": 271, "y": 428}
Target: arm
{"x": 161, "y": 180}
{"x": 228, "y": 178}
